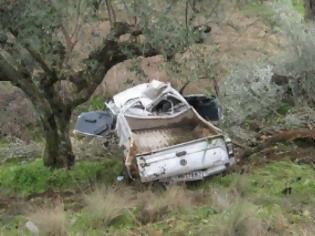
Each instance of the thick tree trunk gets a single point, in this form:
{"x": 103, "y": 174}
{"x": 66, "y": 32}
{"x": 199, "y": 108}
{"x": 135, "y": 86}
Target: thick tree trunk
{"x": 309, "y": 6}
{"x": 58, "y": 149}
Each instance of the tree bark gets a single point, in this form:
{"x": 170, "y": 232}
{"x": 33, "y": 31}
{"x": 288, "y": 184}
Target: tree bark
{"x": 58, "y": 149}
{"x": 309, "y": 6}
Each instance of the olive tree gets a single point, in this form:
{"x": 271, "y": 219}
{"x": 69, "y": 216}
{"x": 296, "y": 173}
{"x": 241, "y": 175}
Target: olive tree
{"x": 35, "y": 42}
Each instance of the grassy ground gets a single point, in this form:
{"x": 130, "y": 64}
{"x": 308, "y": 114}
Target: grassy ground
{"x": 33, "y": 177}
{"x": 3, "y": 143}
{"x": 275, "y": 199}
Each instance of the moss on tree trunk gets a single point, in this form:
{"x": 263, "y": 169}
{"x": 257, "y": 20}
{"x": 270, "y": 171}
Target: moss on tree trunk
{"x": 58, "y": 149}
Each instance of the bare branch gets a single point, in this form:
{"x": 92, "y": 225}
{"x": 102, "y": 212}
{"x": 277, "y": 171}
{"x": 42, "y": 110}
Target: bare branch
{"x": 18, "y": 79}
{"x": 110, "y": 12}
{"x": 288, "y": 135}
{"x": 70, "y": 43}
{"x": 192, "y": 4}
{"x": 112, "y": 54}
{"x": 78, "y": 23}
{"x": 40, "y": 61}
{"x": 4, "y": 75}
{"x": 69, "y": 40}
{"x": 37, "y": 57}
{"x": 186, "y": 19}
{"x": 120, "y": 28}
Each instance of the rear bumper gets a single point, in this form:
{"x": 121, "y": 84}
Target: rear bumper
{"x": 186, "y": 162}
{"x": 195, "y": 175}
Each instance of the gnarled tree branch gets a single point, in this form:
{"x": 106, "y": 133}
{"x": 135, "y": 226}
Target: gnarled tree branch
{"x": 288, "y": 135}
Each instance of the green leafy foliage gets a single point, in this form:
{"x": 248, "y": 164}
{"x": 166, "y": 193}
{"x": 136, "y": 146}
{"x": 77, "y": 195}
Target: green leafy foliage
{"x": 96, "y": 103}
{"x": 37, "y": 26}
{"x": 249, "y": 94}
{"x": 161, "y": 29}
{"x": 261, "y": 10}
{"x": 284, "y": 108}
{"x": 3, "y": 143}
{"x": 299, "y": 6}
{"x": 298, "y": 61}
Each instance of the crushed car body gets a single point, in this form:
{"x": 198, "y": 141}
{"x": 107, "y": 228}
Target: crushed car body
{"x": 164, "y": 136}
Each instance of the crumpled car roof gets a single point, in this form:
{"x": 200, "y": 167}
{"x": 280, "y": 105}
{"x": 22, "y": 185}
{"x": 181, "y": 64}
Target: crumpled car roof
{"x": 146, "y": 94}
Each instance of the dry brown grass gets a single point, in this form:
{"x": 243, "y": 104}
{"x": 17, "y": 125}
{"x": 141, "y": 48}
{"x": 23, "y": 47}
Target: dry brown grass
{"x": 241, "y": 219}
{"x": 156, "y": 205}
{"x": 178, "y": 197}
{"x": 105, "y": 204}
{"x": 148, "y": 230}
{"x": 222, "y": 199}
{"x": 50, "y": 221}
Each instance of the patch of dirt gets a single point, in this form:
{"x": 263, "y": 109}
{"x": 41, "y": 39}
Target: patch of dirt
{"x": 244, "y": 38}
{"x": 14, "y": 205}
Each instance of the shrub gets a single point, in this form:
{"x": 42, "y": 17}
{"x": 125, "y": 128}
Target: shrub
{"x": 249, "y": 94}
{"x": 96, "y": 103}
{"x": 299, "y": 60}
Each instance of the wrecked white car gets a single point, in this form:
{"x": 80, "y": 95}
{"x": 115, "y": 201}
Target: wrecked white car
{"x": 166, "y": 137}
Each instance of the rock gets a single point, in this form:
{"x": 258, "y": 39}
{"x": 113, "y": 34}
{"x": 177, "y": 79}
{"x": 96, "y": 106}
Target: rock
{"x": 89, "y": 148}
{"x": 17, "y": 116}
{"x": 32, "y": 227}
{"x": 18, "y": 149}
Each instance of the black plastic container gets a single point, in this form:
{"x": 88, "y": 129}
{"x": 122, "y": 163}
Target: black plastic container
{"x": 207, "y": 107}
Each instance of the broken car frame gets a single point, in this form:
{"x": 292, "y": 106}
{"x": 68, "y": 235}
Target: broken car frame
{"x": 164, "y": 136}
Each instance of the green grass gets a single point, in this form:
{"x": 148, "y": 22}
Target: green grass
{"x": 96, "y": 103}
{"x": 299, "y": 6}
{"x": 34, "y": 177}
{"x": 253, "y": 203}
{"x": 284, "y": 109}
{"x": 272, "y": 180}
{"x": 3, "y": 143}
{"x": 266, "y": 13}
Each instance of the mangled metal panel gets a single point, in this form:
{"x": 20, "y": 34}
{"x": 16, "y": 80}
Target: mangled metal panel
{"x": 206, "y": 154}
{"x": 143, "y": 99}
